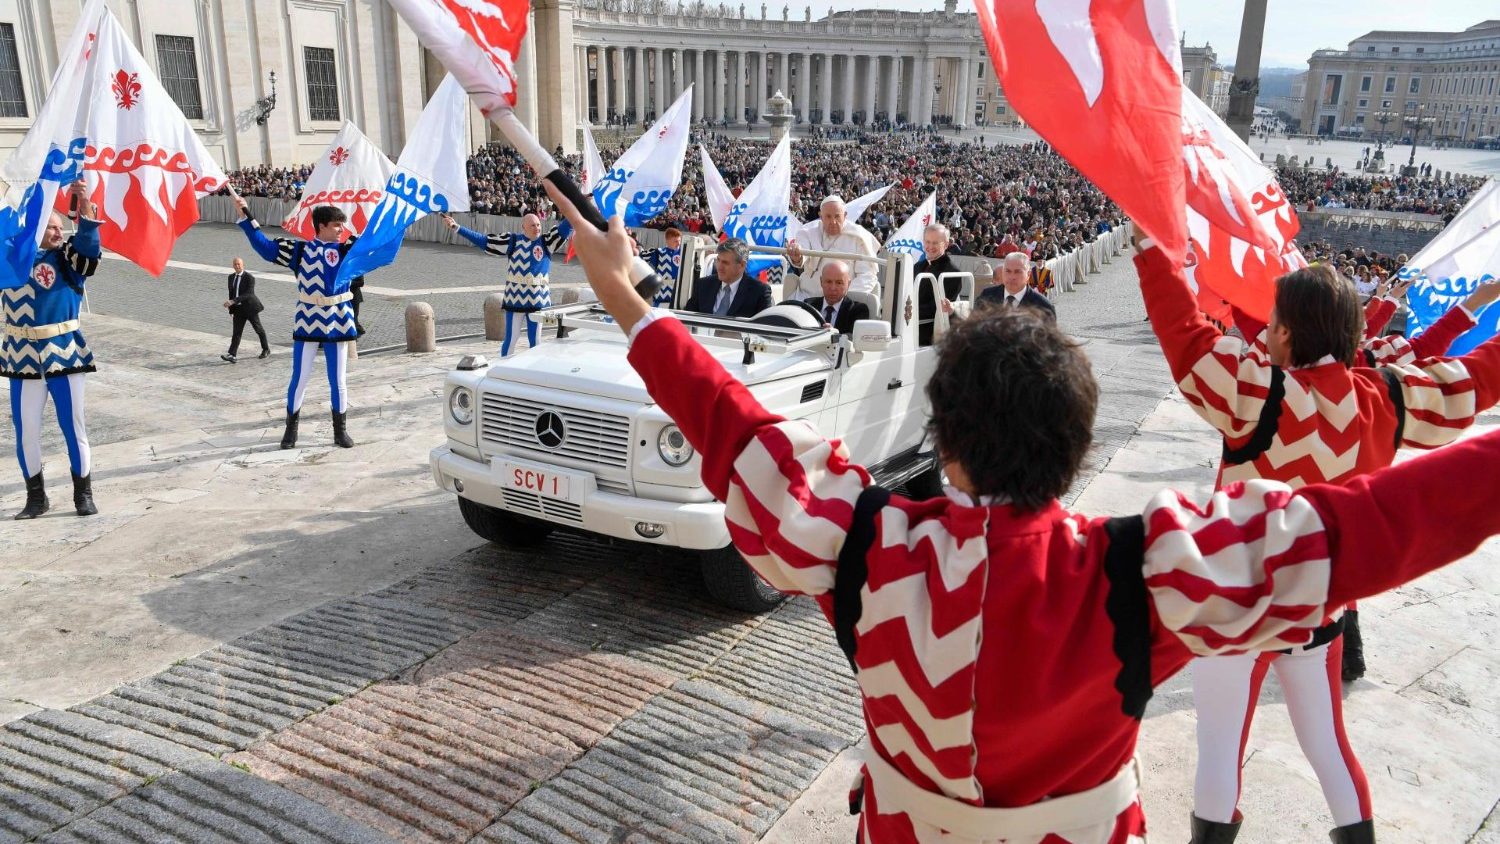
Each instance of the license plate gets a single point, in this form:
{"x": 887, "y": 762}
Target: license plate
{"x": 536, "y": 480}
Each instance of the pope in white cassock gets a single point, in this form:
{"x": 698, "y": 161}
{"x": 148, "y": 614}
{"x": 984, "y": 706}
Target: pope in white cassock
{"x": 831, "y": 232}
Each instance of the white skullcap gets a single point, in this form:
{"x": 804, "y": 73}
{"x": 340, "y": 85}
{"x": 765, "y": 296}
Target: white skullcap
{"x": 833, "y": 198}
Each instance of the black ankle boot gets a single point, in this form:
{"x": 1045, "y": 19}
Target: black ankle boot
{"x": 1355, "y": 833}
{"x": 289, "y": 439}
{"x": 340, "y": 435}
{"x": 1354, "y": 648}
{"x": 36, "y": 498}
{"x": 1213, "y": 832}
{"x": 83, "y": 496}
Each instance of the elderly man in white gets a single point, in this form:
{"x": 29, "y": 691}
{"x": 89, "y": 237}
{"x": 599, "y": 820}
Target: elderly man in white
{"x": 831, "y": 232}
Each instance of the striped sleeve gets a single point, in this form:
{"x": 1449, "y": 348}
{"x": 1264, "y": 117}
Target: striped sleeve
{"x": 498, "y": 244}
{"x": 1248, "y": 572}
{"x": 1225, "y": 380}
{"x": 556, "y": 238}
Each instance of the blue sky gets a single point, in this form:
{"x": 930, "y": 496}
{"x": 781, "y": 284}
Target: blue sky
{"x": 1293, "y": 29}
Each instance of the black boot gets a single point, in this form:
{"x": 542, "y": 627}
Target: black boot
{"x": 289, "y": 439}
{"x": 341, "y": 436}
{"x": 1354, "y": 648}
{"x": 1355, "y": 833}
{"x": 1213, "y": 832}
{"x": 36, "y": 498}
{"x": 83, "y": 496}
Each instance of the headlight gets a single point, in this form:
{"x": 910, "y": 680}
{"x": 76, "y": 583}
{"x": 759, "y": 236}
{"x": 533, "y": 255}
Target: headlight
{"x": 461, "y": 405}
{"x": 673, "y": 446}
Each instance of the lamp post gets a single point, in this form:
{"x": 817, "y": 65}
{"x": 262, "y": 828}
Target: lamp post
{"x": 937, "y": 91}
{"x": 1383, "y": 117}
{"x": 1418, "y": 120}
{"x": 267, "y": 104}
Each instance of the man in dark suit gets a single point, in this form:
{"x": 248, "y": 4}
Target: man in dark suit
{"x": 729, "y": 292}
{"x": 837, "y": 309}
{"x": 244, "y": 306}
{"x": 935, "y": 260}
{"x": 1014, "y": 289}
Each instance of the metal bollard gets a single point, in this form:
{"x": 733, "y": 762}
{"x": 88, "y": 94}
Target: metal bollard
{"x": 421, "y": 328}
{"x": 494, "y": 317}
{"x": 567, "y": 296}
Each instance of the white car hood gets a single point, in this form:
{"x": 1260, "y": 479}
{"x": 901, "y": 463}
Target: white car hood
{"x": 596, "y": 365}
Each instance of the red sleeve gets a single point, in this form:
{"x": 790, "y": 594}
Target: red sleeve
{"x": 1435, "y": 341}
{"x": 1394, "y": 525}
{"x": 714, "y": 410}
{"x": 1378, "y": 312}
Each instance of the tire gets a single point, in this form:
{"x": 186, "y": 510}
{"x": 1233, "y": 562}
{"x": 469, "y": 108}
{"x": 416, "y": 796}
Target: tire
{"x": 730, "y": 581}
{"x": 503, "y": 528}
{"x": 927, "y": 484}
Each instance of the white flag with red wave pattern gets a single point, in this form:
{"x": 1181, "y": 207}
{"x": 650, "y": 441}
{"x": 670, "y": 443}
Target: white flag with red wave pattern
{"x": 476, "y": 40}
{"x": 350, "y": 176}
{"x": 144, "y": 163}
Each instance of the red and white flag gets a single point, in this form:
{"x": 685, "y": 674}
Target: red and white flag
{"x": 476, "y": 40}
{"x": 1101, "y": 81}
{"x": 1226, "y": 263}
{"x": 350, "y": 176}
{"x": 145, "y": 165}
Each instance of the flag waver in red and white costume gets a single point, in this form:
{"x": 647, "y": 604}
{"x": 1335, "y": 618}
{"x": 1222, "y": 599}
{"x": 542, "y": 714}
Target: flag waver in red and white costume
{"x": 1323, "y": 423}
{"x": 1004, "y": 656}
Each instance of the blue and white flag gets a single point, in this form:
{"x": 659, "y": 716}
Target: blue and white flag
{"x": 641, "y": 183}
{"x": 907, "y": 240}
{"x": 762, "y": 215}
{"x": 1464, "y": 255}
{"x": 49, "y": 157}
{"x": 430, "y": 178}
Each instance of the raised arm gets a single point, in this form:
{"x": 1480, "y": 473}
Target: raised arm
{"x": 1378, "y": 313}
{"x": 282, "y": 250}
{"x": 1261, "y": 567}
{"x": 82, "y": 251}
{"x": 1224, "y": 379}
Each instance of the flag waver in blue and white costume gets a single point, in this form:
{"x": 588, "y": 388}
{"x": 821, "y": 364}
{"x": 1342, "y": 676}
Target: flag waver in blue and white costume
{"x": 324, "y": 317}
{"x": 666, "y": 262}
{"x": 528, "y": 272}
{"x": 44, "y": 354}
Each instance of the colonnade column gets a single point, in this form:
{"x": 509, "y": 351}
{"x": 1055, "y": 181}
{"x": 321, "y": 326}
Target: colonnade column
{"x": 893, "y": 66}
{"x": 741, "y": 80}
{"x": 783, "y": 66}
{"x": 925, "y": 78}
{"x": 718, "y": 75}
{"x": 963, "y": 109}
{"x": 617, "y": 70}
{"x": 804, "y": 86}
{"x": 872, "y": 87}
{"x": 601, "y": 83}
{"x": 701, "y": 91}
{"x": 825, "y": 88}
{"x": 847, "y": 106}
{"x": 661, "y": 82}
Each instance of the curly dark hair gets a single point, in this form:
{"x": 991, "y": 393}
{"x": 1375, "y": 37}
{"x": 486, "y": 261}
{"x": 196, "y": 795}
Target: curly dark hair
{"x": 1013, "y": 402}
{"x": 1320, "y": 308}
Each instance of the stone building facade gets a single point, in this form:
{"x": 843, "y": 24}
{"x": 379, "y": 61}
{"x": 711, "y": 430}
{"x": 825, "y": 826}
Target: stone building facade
{"x": 1450, "y": 81}
{"x": 582, "y": 61}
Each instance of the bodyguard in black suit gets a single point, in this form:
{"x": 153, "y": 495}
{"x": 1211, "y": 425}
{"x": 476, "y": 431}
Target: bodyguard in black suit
{"x": 837, "y": 309}
{"x": 746, "y": 296}
{"x": 1014, "y": 289}
{"x": 244, "y": 306}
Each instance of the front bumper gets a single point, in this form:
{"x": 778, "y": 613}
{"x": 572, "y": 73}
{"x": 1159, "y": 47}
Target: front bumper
{"x": 693, "y": 526}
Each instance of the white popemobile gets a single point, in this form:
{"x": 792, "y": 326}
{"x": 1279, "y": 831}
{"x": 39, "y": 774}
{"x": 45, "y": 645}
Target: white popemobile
{"x": 564, "y": 436}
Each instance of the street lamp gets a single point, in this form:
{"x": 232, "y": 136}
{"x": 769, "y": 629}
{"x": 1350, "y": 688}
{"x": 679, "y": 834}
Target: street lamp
{"x": 937, "y": 91}
{"x": 1418, "y": 120}
{"x": 1383, "y": 117}
{"x": 265, "y": 105}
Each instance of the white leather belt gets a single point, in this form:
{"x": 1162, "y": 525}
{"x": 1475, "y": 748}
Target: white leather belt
{"x": 42, "y": 332}
{"x": 324, "y": 301}
{"x": 1099, "y": 805}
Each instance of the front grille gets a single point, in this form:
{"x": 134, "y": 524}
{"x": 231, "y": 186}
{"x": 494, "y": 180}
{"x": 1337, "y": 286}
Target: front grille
{"x": 609, "y": 485}
{"x": 547, "y": 508}
{"x": 600, "y": 439}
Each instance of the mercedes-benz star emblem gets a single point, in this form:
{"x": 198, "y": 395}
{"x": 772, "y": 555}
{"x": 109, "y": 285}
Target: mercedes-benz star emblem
{"x": 549, "y": 429}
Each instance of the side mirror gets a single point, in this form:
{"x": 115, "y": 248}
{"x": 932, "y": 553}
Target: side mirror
{"x": 872, "y": 335}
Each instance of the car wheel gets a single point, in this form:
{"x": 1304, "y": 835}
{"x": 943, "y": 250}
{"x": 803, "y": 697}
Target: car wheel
{"x": 927, "y": 484}
{"x": 503, "y": 528}
{"x": 730, "y": 581}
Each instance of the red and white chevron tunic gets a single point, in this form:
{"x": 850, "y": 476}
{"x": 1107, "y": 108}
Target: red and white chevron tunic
{"x": 1341, "y": 423}
{"x": 1379, "y": 351}
{"x": 1004, "y": 657}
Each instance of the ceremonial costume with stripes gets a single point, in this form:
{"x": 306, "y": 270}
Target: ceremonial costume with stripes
{"x": 667, "y": 264}
{"x": 324, "y": 319}
{"x": 43, "y": 353}
{"x": 528, "y": 270}
{"x": 1004, "y": 656}
{"x": 1323, "y": 423}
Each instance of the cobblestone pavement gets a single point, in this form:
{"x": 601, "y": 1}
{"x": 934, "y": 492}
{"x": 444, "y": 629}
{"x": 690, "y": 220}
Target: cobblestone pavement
{"x": 257, "y": 645}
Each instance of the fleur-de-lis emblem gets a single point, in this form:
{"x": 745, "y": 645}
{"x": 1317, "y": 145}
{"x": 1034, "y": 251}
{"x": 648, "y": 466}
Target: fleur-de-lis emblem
{"x": 127, "y": 90}
{"x": 88, "y": 47}
{"x": 338, "y": 156}
{"x": 926, "y": 219}
{"x": 664, "y": 130}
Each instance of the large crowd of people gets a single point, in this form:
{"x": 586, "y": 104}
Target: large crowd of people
{"x": 994, "y": 198}
{"x": 1422, "y": 194}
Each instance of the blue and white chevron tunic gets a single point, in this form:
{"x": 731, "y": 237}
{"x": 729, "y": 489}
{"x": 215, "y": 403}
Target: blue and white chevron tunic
{"x": 667, "y": 263}
{"x": 41, "y": 317}
{"x": 528, "y": 265}
{"x": 325, "y": 313}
